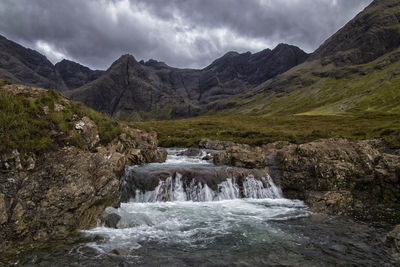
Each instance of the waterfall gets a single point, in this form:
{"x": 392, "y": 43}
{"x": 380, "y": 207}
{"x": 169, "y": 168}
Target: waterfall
{"x": 264, "y": 188}
{"x": 173, "y": 189}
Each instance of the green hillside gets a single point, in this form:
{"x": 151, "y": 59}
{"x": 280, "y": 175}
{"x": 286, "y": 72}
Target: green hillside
{"x": 355, "y": 90}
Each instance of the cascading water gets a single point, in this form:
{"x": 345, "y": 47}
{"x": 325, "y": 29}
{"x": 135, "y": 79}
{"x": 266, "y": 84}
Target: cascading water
{"x": 172, "y": 189}
{"x": 188, "y": 212}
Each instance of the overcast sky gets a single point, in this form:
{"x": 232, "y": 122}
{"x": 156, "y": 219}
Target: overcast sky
{"x": 182, "y": 33}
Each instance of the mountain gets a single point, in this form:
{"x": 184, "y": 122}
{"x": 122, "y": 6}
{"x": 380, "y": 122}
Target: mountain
{"x": 26, "y": 66}
{"x": 152, "y": 89}
{"x": 76, "y": 75}
{"x": 356, "y": 71}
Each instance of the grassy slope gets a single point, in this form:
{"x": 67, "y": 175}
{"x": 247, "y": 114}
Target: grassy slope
{"x": 24, "y": 124}
{"x": 356, "y": 90}
{"x": 258, "y": 130}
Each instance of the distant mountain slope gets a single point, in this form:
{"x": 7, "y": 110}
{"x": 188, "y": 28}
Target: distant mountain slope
{"x": 76, "y": 75}
{"x": 26, "y": 66}
{"x": 152, "y": 89}
{"x": 355, "y": 71}
{"x": 372, "y": 33}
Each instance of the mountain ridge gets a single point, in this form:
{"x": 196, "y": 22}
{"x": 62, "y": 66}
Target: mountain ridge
{"x": 153, "y": 89}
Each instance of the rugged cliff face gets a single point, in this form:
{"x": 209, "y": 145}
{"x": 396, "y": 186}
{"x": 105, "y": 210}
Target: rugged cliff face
{"x": 152, "y": 89}
{"x": 334, "y": 176}
{"x": 51, "y": 194}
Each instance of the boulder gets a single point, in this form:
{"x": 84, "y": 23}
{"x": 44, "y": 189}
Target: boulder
{"x": 190, "y": 152}
{"x": 215, "y": 144}
{"x": 241, "y": 156}
{"x": 111, "y": 220}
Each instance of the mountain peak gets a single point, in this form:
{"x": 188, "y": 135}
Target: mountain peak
{"x": 126, "y": 59}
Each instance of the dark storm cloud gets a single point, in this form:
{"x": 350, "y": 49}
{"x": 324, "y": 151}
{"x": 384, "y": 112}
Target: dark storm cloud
{"x": 183, "y": 33}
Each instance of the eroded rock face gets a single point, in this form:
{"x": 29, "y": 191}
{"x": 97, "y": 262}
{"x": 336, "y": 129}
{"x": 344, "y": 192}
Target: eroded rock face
{"x": 66, "y": 190}
{"x": 334, "y": 176}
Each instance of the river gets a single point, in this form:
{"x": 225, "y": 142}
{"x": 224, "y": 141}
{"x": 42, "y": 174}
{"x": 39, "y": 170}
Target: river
{"x": 182, "y": 222}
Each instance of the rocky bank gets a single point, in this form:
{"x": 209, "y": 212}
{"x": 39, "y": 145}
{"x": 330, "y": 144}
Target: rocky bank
{"x": 333, "y": 176}
{"x": 49, "y": 196}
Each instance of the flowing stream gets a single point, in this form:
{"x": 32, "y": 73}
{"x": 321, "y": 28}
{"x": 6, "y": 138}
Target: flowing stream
{"x": 184, "y": 212}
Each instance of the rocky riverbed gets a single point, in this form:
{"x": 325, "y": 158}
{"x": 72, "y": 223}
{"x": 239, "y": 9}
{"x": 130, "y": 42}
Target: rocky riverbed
{"x": 181, "y": 216}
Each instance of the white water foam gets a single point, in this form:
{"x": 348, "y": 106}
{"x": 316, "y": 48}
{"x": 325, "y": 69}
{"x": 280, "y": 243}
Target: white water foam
{"x": 172, "y": 189}
{"x": 196, "y": 224}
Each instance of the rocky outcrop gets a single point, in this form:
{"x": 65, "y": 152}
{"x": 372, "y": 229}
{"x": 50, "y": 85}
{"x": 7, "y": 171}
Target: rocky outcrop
{"x": 50, "y": 195}
{"x": 334, "y": 176}
{"x": 66, "y": 191}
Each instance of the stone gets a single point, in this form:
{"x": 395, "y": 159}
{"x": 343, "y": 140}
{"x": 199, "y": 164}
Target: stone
{"x": 190, "y": 152}
{"x": 207, "y": 157}
{"x": 30, "y": 163}
{"x": 88, "y": 130}
{"x": 241, "y": 156}
{"x": 11, "y": 161}
{"x": 111, "y": 220}
{"x": 120, "y": 252}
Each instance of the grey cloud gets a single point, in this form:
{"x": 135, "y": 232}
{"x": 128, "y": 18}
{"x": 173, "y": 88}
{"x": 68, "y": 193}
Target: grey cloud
{"x": 183, "y": 33}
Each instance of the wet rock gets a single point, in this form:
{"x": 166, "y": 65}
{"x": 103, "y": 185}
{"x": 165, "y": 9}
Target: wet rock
{"x": 120, "y": 252}
{"x": 207, "y": 157}
{"x": 190, "y": 152}
{"x": 111, "y": 220}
